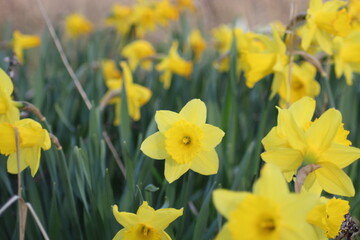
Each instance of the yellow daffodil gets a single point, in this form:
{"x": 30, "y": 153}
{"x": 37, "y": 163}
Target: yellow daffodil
{"x": 110, "y": 70}
{"x": 222, "y": 37}
{"x": 137, "y": 95}
{"x": 21, "y": 41}
{"x": 165, "y": 12}
{"x": 197, "y": 43}
{"x": 185, "y": 141}
{"x": 173, "y": 63}
{"x": 328, "y": 215}
{"x": 120, "y": 17}
{"x": 143, "y": 17}
{"x": 302, "y": 84}
{"x": 76, "y": 25}
{"x": 296, "y": 141}
{"x": 32, "y": 138}
{"x": 8, "y": 110}
{"x": 185, "y": 5}
{"x": 347, "y": 56}
{"x": 323, "y": 21}
{"x": 270, "y": 212}
{"x": 146, "y": 224}
{"x": 137, "y": 52}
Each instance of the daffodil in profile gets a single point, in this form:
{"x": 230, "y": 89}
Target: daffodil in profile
{"x": 197, "y": 43}
{"x": 139, "y": 52}
{"x": 270, "y": 212}
{"x": 297, "y": 141}
{"x": 173, "y": 63}
{"x": 23, "y": 41}
{"x": 32, "y": 138}
{"x": 146, "y": 224}
{"x": 185, "y": 141}
{"x": 120, "y": 18}
{"x": 77, "y": 25}
{"x": 166, "y": 12}
{"x": 8, "y": 110}
{"x": 110, "y": 71}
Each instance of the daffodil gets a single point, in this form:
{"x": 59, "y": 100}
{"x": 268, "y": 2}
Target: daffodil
{"x": 165, "y": 12}
{"x": 323, "y": 21}
{"x": 185, "y": 5}
{"x": 271, "y": 212}
{"x": 222, "y": 37}
{"x": 328, "y": 215}
{"x": 77, "y": 25}
{"x": 137, "y": 95}
{"x": 197, "y": 43}
{"x": 143, "y": 17}
{"x": 110, "y": 70}
{"x": 146, "y": 224}
{"x": 120, "y": 17}
{"x": 297, "y": 141}
{"x": 22, "y": 41}
{"x": 347, "y": 56}
{"x": 137, "y": 52}
{"x": 302, "y": 84}
{"x": 185, "y": 141}
{"x": 33, "y": 138}
{"x": 173, "y": 63}
{"x": 8, "y": 110}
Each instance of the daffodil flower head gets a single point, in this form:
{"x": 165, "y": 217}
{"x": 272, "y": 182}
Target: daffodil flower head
{"x": 328, "y": 215}
{"x": 32, "y": 139}
{"x": 120, "y": 17}
{"x": 146, "y": 224}
{"x": 197, "y": 43}
{"x": 271, "y": 212}
{"x": 110, "y": 70}
{"x": 8, "y": 111}
{"x": 138, "y": 52}
{"x": 77, "y": 25}
{"x": 165, "y": 12}
{"x": 185, "y": 141}
{"x": 23, "y": 41}
{"x": 297, "y": 141}
{"x": 186, "y": 5}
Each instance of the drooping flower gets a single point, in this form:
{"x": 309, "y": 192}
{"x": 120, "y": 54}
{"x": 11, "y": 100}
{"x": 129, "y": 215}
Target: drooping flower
{"x": 173, "y": 63}
{"x": 8, "y": 110}
{"x": 297, "y": 141}
{"x": 165, "y": 12}
{"x": 146, "y": 224}
{"x": 271, "y": 212}
{"x": 185, "y": 5}
{"x": 328, "y": 215}
{"x": 137, "y": 95}
{"x": 110, "y": 70}
{"x": 120, "y": 17}
{"x": 22, "y": 41}
{"x": 185, "y": 141}
{"x": 197, "y": 43}
{"x": 138, "y": 52}
{"x": 143, "y": 17}
{"x": 32, "y": 138}
{"x": 77, "y": 25}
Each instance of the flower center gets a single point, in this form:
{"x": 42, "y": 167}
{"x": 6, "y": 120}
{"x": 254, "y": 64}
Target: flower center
{"x": 183, "y": 141}
{"x": 142, "y": 232}
{"x": 267, "y": 225}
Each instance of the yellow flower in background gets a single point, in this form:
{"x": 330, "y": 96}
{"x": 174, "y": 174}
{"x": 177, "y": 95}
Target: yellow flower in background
{"x": 328, "y": 215}
{"x": 120, "y": 17}
{"x": 33, "y": 138}
{"x": 146, "y": 224}
{"x": 354, "y": 12}
{"x": 137, "y": 52}
{"x": 297, "y": 141}
{"x": 77, "y": 25}
{"x": 185, "y": 141}
{"x": 270, "y": 212}
{"x": 22, "y": 41}
{"x": 185, "y": 5}
{"x": 222, "y": 37}
{"x": 197, "y": 43}
{"x": 323, "y": 21}
{"x": 165, "y": 12}
{"x": 143, "y": 17}
{"x": 347, "y": 56}
{"x": 173, "y": 63}
{"x": 302, "y": 84}
{"x": 8, "y": 110}
{"x": 110, "y": 71}
{"x": 137, "y": 95}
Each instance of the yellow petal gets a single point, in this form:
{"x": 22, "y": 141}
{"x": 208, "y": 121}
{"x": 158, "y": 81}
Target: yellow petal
{"x": 124, "y": 218}
{"x": 32, "y": 156}
{"x": 127, "y": 73}
{"x": 5, "y": 83}
{"x": 286, "y": 159}
{"x": 224, "y": 233}
{"x": 12, "y": 164}
{"x": 307, "y": 35}
{"x": 173, "y": 170}
{"x": 206, "y": 163}
{"x": 273, "y": 140}
{"x": 145, "y": 213}
{"x": 194, "y": 111}
{"x": 165, "y": 216}
{"x": 154, "y": 146}
{"x": 303, "y": 110}
{"x": 260, "y": 65}
{"x": 227, "y": 201}
{"x": 324, "y": 41}
{"x": 7, "y": 139}
{"x": 340, "y": 155}
{"x": 119, "y": 235}
{"x": 334, "y": 180}
{"x": 165, "y": 119}
{"x": 47, "y": 142}
{"x": 212, "y": 136}
{"x": 322, "y": 133}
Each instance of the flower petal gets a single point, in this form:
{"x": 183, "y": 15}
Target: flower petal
{"x": 154, "y": 146}
{"x": 32, "y": 156}
{"x": 286, "y": 159}
{"x": 12, "y": 164}
{"x": 273, "y": 140}
{"x": 173, "y": 170}
{"x": 224, "y": 233}
{"x": 334, "y": 180}
{"x": 165, "y": 216}
{"x": 226, "y": 201}
{"x": 212, "y": 135}
{"x": 194, "y": 111}
{"x": 340, "y": 155}
{"x": 165, "y": 119}
{"x": 119, "y": 235}
{"x": 5, "y": 83}
{"x": 126, "y": 219}
{"x": 206, "y": 162}
{"x": 303, "y": 110}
